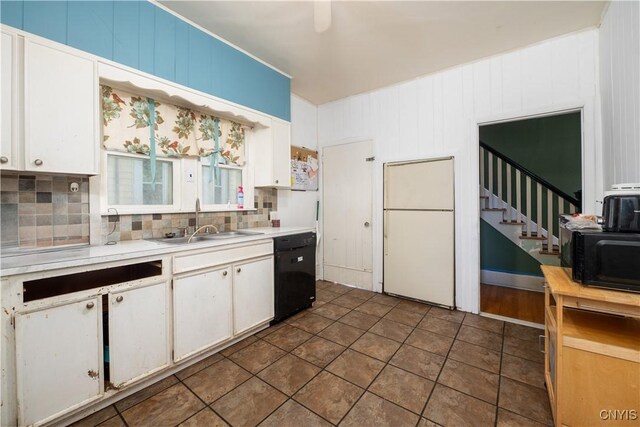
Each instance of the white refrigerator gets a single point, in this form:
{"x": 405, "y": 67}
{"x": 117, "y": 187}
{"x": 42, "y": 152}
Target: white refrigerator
{"x": 419, "y": 250}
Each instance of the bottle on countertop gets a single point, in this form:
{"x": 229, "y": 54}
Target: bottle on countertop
{"x": 240, "y": 198}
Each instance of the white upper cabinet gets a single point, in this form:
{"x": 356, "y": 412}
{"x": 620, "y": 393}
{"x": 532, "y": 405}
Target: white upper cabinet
{"x": 272, "y": 148}
{"x": 60, "y": 110}
{"x": 9, "y": 76}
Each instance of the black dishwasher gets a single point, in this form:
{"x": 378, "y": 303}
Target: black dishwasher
{"x": 295, "y": 274}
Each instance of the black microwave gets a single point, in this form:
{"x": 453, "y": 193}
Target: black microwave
{"x": 603, "y": 259}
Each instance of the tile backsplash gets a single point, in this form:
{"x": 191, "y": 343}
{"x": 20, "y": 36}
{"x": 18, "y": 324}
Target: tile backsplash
{"x": 134, "y": 227}
{"x": 41, "y": 210}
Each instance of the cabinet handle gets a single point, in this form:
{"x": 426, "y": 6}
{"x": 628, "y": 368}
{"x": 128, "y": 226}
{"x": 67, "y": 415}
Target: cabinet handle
{"x": 3, "y": 160}
{"x": 119, "y": 298}
{"x": 541, "y": 343}
{"x": 90, "y": 305}
{"x": 238, "y": 270}
{"x": 224, "y": 273}
{"x": 38, "y": 162}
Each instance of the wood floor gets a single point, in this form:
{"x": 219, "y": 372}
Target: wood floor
{"x": 514, "y": 303}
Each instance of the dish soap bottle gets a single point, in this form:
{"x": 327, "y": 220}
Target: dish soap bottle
{"x": 240, "y": 198}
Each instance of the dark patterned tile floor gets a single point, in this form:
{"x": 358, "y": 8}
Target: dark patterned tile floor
{"x": 356, "y": 358}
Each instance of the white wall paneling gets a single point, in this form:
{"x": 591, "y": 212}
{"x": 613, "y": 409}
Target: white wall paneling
{"x": 438, "y": 115}
{"x": 620, "y": 89}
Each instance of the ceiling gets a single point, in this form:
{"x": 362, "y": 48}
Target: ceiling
{"x": 372, "y": 44}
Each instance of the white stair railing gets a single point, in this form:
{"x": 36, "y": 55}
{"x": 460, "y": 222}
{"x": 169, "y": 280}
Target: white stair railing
{"x": 513, "y": 175}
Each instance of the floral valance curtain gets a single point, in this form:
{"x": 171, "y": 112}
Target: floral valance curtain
{"x": 137, "y": 124}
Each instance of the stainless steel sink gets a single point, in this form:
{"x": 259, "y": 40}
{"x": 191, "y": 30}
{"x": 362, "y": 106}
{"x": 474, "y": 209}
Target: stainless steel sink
{"x": 206, "y": 237}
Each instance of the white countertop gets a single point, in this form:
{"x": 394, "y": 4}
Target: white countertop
{"x": 94, "y": 254}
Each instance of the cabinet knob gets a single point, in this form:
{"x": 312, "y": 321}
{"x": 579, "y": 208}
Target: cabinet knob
{"x": 3, "y": 160}
{"x": 224, "y": 273}
{"x": 119, "y": 298}
{"x": 90, "y": 305}
{"x": 38, "y": 162}
{"x": 238, "y": 270}
{"x": 366, "y": 223}
{"x": 277, "y": 181}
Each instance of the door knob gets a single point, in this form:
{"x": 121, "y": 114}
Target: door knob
{"x": 90, "y": 305}
{"x": 38, "y": 162}
{"x": 3, "y": 160}
{"x": 366, "y": 223}
{"x": 238, "y": 270}
{"x": 224, "y": 273}
{"x": 119, "y": 298}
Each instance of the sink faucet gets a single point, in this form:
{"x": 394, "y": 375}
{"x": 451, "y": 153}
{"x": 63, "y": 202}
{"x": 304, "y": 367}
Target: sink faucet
{"x": 197, "y": 213}
{"x": 201, "y": 228}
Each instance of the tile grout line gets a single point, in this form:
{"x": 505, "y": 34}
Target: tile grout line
{"x": 495, "y": 421}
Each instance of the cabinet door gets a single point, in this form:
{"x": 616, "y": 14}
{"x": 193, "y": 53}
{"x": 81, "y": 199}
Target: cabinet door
{"x": 281, "y": 154}
{"x": 252, "y": 293}
{"x": 201, "y": 311}
{"x": 8, "y": 139}
{"x": 59, "y": 362}
{"x": 138, "y": 332}
{"x": 61, "y": 96}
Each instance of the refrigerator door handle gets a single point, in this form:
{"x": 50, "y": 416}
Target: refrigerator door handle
{"x": 385, "y": 243}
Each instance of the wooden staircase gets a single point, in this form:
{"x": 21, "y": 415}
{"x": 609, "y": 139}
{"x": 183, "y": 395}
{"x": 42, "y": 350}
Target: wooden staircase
{"x": 520, "y": 204}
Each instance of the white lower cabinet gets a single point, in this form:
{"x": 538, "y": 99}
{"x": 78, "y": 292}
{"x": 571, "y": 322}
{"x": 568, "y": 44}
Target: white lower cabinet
{"x": 138, "y": 332}
{"x": 202, "y": 311}
{"x": 59, "y": 359}
{"x": 252, "y": 293}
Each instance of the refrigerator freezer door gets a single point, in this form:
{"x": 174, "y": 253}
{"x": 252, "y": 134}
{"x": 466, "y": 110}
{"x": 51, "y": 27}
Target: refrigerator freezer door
{"x": 419, "y": 255}
{"x": 419, "y": 185}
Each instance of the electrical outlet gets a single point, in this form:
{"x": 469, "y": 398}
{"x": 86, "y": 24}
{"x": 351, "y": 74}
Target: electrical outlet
{"x": 189, "y": 176}
{"x": 74, "y": 187}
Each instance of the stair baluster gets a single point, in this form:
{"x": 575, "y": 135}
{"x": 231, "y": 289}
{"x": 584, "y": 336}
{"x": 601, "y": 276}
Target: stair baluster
{"x": 509, "y": 209}
{"x": 499, "y": 167}
{"x": 518, "y": 197}
{"x": 539, "y": 210}
{"x": 529, "y": 211}
{"x": 549, "y": 220}
{"x": 490, "y": 156}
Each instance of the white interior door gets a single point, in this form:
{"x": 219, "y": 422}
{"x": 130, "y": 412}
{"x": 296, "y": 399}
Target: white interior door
{"x": 347, "y": 228}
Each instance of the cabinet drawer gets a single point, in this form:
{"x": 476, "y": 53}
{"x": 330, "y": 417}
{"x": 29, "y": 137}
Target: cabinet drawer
{"x": 218, "y": 256}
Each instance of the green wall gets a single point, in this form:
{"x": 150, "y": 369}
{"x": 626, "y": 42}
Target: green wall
{"x": 498, "y": 253}
{"x": 550, "y": 147}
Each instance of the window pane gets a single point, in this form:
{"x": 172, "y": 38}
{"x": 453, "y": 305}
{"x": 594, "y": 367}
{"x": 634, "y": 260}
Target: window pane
{"x": 224, "y": 192}
{"x": 129, "y": 182}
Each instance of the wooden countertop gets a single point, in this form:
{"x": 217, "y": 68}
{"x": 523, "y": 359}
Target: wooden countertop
{"x": 560, "y": 283}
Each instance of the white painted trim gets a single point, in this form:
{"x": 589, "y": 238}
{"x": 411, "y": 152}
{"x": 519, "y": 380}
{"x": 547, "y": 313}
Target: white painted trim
{"x": 227, "y": 42}
{"x": 512, "y": 320}
{"x": 514, "y": 281}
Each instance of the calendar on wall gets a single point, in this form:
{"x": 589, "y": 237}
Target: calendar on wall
{"x": 304, "y": 169}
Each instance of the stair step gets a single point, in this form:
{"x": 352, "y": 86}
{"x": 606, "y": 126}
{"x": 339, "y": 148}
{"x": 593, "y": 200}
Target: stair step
{"x": 532, "y": 237}
{"x": 484, "y": 197}
{"x": 494, "y": 209}
{"x": 520, "y": 224}
{"x": 543, "y": 252}
{"x": 545, "y": 247}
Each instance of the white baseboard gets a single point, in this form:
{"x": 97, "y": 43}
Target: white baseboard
{"x": 516, "y": 281}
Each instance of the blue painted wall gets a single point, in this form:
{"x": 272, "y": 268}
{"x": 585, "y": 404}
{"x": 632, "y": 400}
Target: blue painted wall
{"x": 143, "y": 36}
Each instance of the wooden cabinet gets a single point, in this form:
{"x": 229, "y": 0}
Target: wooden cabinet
{"x": 201, "y": 311}
{"x": 59, "y": 359}
{"x": 8, "y": 124}
{"x": 592, "y": 346}
{"x": 252, "y": 293}
{"x": 60, "y": 110}
{"x": 138, "y": 332}
{"x": 272, "y": 148}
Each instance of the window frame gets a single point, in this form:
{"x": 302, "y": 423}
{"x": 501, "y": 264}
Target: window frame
{"x": 223, "y": 207}
{"x": 107, "y": 208}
